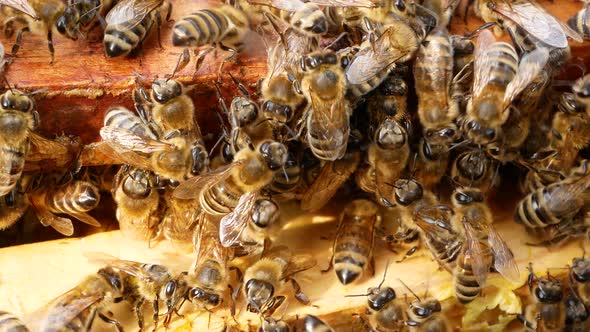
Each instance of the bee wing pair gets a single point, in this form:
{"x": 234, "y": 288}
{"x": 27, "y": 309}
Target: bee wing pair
{"x": 538, "y": 22}
{"x": 530, "y": 65}
{"x": 296, "y": 5}
{"x": 233, "y": 224}
{"x": 22, "y": 6}
{"x": 502, "y": 256}
{"x": 60, "y": 312}
{"x": 130, "y": 13}
{"x": 192, "y": 188}
{"x": 295, "y": 263}
{"x": 207, "y": 244}
{"x": 136, "y": 269}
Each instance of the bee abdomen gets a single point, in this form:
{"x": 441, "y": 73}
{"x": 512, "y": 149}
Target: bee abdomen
{"x": 581, "y": 22}
{"x": 467, "y": 288}
{"x": 326, "y": 146}
{"x": 11, "y": 323}
{"x": 359, "y": 90}
{"x": 79, "y": 196}
{"x": 119, "y": 41}
{"x": 532, "y": 210}
{"x": 504, "y": 67}
{"x": 123, "y": 118}
{"x": 220, "y": 199}
{"x": 351, "y": 254}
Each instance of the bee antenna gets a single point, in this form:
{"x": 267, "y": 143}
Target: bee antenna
{"x": 478, "y": 30}
{"x": 7, "y": 84}
{"x": 183, "y": 60}
{"x": 88, "y": 12}
{"x": 240, "y": 86}
{"x": 384, "y": 274}
{"x": 411, "y": 291}
{"x": 456, "y": 145}
{"x": 38, "y": 91}
{"x": 290, "y": 131}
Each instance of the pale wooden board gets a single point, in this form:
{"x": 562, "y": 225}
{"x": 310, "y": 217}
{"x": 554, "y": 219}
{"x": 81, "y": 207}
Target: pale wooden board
{"x": 31, "y": 275}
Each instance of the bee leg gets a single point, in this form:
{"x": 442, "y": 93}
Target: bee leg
{"x": 9, "y": 28}
{"x": 139, "y": 313}
{"x": 299, "y": 295}
{"x": 108, "y": 320}
{"x": 408, "y": 254}
{"x": 330, "y": 266}
{"x": 274, "y": 305}
{"x": 239, "y": 273}
{"x": 140, "y": 102}
{"x": 231, "y": 57}
{"x": 364, "y": 323}
{"x": 201, "y": 56}
{"x": 371, "y": 266}
{"x": 90, "y": 320}
{"x": 17, "y": 42}
{"x": 232, "y": 306}
{"x": 50, "y": 45}
{"x": 156, "y": 313}
{"x": 526, "y": 323}
{"x": 159, "y": 28}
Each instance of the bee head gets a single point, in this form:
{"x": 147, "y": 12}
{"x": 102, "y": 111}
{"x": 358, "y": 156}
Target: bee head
{"x": 466, "y": 196}
{"x": 407, "y": 191}
{"x": 549, "y": 291}
{"x": 425, "y": 309}
{"x": 14, "y": 100}
{"x": 266, "y": 213}
{"x": 258, "y": 293}
{"x": 199, "y": 159}
{"x": 580, "y": 269}
{"x": 67, "y": 24}
{"x": 244, "y": 111}
{"x": 274, "y": 153}
{"x": 390, "y": 135}
{"x": 163, "y": 90}
{"x": 378, "y": 298}
{"x": 137, "y": 184}
{"x": 478, "y": 133}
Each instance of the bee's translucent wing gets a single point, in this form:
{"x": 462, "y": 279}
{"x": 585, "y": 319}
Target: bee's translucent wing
{"x": 130, "y": 13}
{"x": 504, "y": 261}
{"x": 146, "y": 272}
{"x": 479, "y": 262}
{"x": 481, "y": 65}
{"x": 124, "y": 139}
{"x": 529, "y": 67}
{"x": 345, "y": 3}
{"x": 21, "y": 5}
{"x": 233, "y": 224}
{"x": 191, "y": 188}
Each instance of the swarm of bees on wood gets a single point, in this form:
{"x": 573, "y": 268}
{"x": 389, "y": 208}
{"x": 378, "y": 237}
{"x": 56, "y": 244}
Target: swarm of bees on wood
{"x": 374, "y": 105}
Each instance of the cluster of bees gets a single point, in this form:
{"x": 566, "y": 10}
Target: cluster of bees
{"x": 333, "y": 115}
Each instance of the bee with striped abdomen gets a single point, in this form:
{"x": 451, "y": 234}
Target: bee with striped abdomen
{"x": 129, "y": 23}
{"x": 352, "y": 252}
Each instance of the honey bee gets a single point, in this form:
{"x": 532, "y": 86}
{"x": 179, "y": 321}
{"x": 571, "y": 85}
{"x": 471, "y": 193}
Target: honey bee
{"x": 11, "y": 323}
{"x": 208, "y": 277}
{"x": 558, "y": 201}
{"x": 247, "y": 225}
{"x": 75, "y": 198}
{"x": 376, "y": 59}
{"x": 388, "y": 155}
{"x": 313, "y": 324}
{"x": 483, "y": 245}
{"x": 143, "y": 282}
{"x": 137, "y": 203}
{"x": 131, "y": 141}
{"x": 81, "y": 17}
{"x": 444, "y": 242}
{"x": 129, "y": 23}
{"x": 426, "y": 315}
{"x": 327, "y": 118}
{"x": 76, "y": 309}
{"x": 37, "y": 17}
{"x": 306, "y": 17}
{"x": 223, "y": 26}
{"x": 580, "y": 22}
{"x": 352, "y": 252}
{"x": 433, "y": 72}
{"x": 475, "y": 169}
{"x": 548, "y": 311}
{"x": 386, "y": 311}
{"x": 265, "y": 279}
{"x": 497, "y": 76}
{"x": 219, "y": 191}
{"x": 332, "y": 175}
